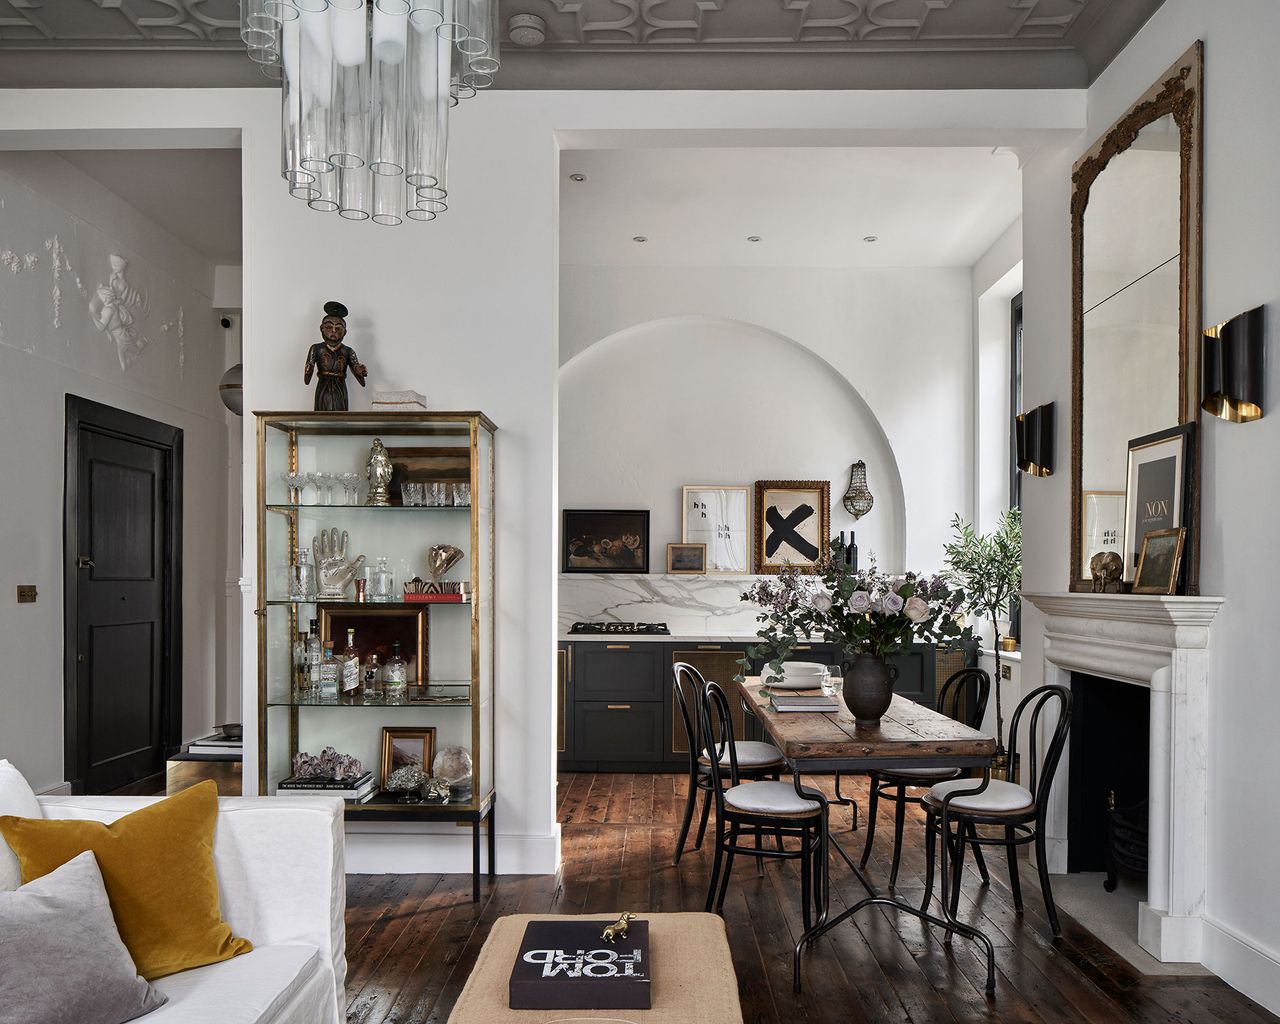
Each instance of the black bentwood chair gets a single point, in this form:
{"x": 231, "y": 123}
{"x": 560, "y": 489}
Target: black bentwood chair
{"x": 755, "y": 760}
{"x": 1019, "y": 810}
{"x": 779, "y": 809}
{"x": 893, "y": 784}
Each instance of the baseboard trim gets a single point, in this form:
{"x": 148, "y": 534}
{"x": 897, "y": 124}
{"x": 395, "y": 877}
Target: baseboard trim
{"x": 379, "y": 852}
{"x": 61, "y": 789}
{"x": 1242, "y": 963}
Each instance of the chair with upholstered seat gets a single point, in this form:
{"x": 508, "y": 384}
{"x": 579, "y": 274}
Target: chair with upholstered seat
{"x": 784, "y": 810}
{"x": 1018, "y": 811}
{"x": 756, "y": 760}
{"x": 956, "y": 701}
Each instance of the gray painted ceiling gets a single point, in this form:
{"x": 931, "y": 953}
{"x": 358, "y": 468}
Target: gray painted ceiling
{"x": 623, "y": 44}
{"x": 194, "y": 194}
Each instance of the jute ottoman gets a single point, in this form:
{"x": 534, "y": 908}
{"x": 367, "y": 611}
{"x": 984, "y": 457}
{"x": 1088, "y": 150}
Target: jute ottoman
{"x": 693, "y": 979}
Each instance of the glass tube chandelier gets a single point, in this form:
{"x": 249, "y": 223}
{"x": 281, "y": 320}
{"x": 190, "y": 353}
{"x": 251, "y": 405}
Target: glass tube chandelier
{"x": 366, "y": 88}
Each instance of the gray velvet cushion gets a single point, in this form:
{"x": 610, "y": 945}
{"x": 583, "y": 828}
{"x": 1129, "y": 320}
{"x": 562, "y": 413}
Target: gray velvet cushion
{"x": 61, "y": 957}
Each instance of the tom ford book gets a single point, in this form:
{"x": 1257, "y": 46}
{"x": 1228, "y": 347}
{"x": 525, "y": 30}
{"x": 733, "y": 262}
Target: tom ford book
{"x": 566, "y": 965}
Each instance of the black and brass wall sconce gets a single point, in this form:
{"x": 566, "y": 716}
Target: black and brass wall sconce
{"x": 1034, "y": 433}
{"x": 1231, "y": 368}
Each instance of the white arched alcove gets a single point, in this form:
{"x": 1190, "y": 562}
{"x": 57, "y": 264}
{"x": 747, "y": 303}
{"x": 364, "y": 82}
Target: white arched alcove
{"x": 706, "y": 400}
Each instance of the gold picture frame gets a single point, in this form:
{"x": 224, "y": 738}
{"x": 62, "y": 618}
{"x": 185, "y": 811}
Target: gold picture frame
{"x": 686, "y": 559}
{"x": 792, "y": 524}
{"x": 405, "y": 745}
{"x": 1159, "y": 562}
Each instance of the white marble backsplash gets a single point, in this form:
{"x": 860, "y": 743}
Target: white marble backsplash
{"x": 688, "y": 604}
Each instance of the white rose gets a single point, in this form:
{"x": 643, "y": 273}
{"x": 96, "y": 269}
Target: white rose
{"x": 916, "y": 609}
{"x": 859, "y": 602}
{"x": 821, "y": 602}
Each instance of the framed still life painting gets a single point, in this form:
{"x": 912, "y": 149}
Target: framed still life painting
{"x": 793, "y": 524}
{"x": 607, "y": 541}
{"x": 720, "y": 518}
{"x": 1158, "y": 488}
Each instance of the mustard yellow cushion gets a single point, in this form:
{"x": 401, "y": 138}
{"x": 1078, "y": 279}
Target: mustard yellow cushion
{"x": 157, "y": 864}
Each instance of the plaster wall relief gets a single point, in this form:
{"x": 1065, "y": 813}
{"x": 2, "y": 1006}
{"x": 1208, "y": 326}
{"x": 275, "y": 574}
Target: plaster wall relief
{"x": 75, "y": 296}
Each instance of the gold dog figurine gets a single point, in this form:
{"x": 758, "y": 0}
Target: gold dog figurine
{"x": 618, "y": 929}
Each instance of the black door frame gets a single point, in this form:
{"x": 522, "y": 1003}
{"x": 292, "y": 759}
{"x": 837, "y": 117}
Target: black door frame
{"x": 83, "y": 414}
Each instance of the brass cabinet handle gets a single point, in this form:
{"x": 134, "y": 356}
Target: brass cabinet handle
{"x": 617, "y": 647}
{"x": 619, "y": 707}
{"x": 708, "y": 647}
{"x": 803, "y": 647}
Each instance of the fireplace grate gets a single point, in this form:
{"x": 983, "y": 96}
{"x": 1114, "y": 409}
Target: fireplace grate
{"x": 1126, "y": 851}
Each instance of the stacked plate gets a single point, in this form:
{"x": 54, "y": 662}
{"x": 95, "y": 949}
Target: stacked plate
{"x": 796, "y": 675}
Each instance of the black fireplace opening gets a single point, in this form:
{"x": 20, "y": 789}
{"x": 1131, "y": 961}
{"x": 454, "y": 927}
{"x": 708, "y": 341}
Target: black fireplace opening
{"x": 1109, "y": 775}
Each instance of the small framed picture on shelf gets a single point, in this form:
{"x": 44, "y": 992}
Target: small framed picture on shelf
{"x": 1101, "y": 525}
{"x": 427, "y": 466}
{"x": 377, "y": 630}
{"x": 1159, "y": 561}
{"x": 793, "y": 524}
{"x": 687, "y": 559}
{"x": 406, "y": 746}
{"x": 605, "y": 541}
{"x": 720, "y": 518}
{"x": 1158, "y": 488}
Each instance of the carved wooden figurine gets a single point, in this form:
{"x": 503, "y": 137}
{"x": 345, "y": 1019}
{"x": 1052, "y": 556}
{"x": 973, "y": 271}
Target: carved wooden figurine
{"x": 331, "y": 359}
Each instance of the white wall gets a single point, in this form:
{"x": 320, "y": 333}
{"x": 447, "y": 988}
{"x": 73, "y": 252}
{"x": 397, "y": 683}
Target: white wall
{"x": 1241, "y": 478}
{"x": 900, "y": 338}
{"x": 465, "y": 308}
{"x": 51, "y": 348}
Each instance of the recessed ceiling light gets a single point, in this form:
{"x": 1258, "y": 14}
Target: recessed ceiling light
{"x": 577, "y": 177}
{"x": 753, "y": 238}
{"x": 639, "y": 238}
{"x": 871, "y": 238}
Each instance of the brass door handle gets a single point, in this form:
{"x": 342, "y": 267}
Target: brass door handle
{"x": 619, "y": 707}
{"x": 84, "y": 562}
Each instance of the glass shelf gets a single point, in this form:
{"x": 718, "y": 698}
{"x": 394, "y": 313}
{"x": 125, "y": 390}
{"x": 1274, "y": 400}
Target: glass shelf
{"x": 278, "y": 506}
{"x": 437, "y": 694}
{"x": 285, "y": 602}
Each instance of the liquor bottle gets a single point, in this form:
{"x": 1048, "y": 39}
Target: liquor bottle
{"x": 350, "y": 665}
{"x": 300, "y": 684}
{"x": 315, "y": 655}
{"x": 372, "y": 680}
{"x": 381, "y": 581}
{"x": 329, "y": 671}
{"x": 395, "y": 677}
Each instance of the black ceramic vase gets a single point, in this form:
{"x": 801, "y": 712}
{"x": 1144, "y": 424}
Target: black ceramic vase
{"x": 868, "y": 688}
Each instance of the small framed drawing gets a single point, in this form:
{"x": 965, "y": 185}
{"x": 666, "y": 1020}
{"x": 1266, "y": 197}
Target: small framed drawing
{"x": 686, "y": 559}
{"x": 1102, "y": 525}
{"x": 720, "y": 518}
{"x": 1159, "y": 561}
{"x": 403, "y": 746}
{"x": 605, "y": 541}
{"x": 1158, "y": 488}
{"x": 793, "y": 524}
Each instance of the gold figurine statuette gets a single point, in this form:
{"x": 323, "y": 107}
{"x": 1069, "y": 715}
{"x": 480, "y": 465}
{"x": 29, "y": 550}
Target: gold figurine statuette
{"x": 618, "y": 929}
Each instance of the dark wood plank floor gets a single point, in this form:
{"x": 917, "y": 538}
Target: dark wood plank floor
{"x": 412, "y": 939}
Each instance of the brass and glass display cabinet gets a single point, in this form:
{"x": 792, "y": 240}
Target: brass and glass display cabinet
{"x": 307, "y": 465}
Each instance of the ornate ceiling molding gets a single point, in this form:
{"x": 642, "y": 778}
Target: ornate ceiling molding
{"x": 76, "y": 24}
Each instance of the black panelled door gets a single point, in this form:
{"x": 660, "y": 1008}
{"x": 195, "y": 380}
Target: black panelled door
{"x": 121, "y": 537}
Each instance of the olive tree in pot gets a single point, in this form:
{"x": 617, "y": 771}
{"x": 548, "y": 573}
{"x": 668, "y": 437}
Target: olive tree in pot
{"x": 987, "y": 568}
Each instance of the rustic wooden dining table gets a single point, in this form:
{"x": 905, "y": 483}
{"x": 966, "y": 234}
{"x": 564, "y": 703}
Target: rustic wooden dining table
{"x": 909, "y": 736}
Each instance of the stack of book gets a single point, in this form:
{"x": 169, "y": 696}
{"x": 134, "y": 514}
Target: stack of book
{"x": 815, "y": 703}
{"x": 355, "y": 790}
{"x": 217, "y": 744}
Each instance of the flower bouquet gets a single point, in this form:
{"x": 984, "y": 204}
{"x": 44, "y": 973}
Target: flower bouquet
{"x": 868, "y": 614}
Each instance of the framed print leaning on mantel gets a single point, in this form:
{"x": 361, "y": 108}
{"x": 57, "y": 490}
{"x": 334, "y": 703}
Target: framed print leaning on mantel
{"x": 1158, "y": 488}
{"x": 793, "y": 524}
{"x": 720, "y": 518}
{"x": 1101, "y": 526}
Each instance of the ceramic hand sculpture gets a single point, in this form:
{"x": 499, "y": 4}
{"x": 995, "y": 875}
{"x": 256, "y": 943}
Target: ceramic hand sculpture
{"x": 332, "y": 565}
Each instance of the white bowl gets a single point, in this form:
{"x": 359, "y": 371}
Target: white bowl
{"x": 803, "y": 668}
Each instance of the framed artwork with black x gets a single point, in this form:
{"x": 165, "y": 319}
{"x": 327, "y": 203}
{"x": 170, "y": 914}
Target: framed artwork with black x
{"x": 793, "y": 524}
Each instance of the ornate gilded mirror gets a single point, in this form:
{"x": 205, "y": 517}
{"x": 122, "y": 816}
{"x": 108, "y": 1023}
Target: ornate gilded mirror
{"x": 1135, "y": 238}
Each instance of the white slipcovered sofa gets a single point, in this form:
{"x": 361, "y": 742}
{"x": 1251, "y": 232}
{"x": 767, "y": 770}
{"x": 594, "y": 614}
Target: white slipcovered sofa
{"x": 282, "y": 884}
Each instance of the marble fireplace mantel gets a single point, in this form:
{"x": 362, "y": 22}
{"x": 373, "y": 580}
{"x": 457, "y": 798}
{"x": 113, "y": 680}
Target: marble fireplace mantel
{"x": 1161, "y": 643}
